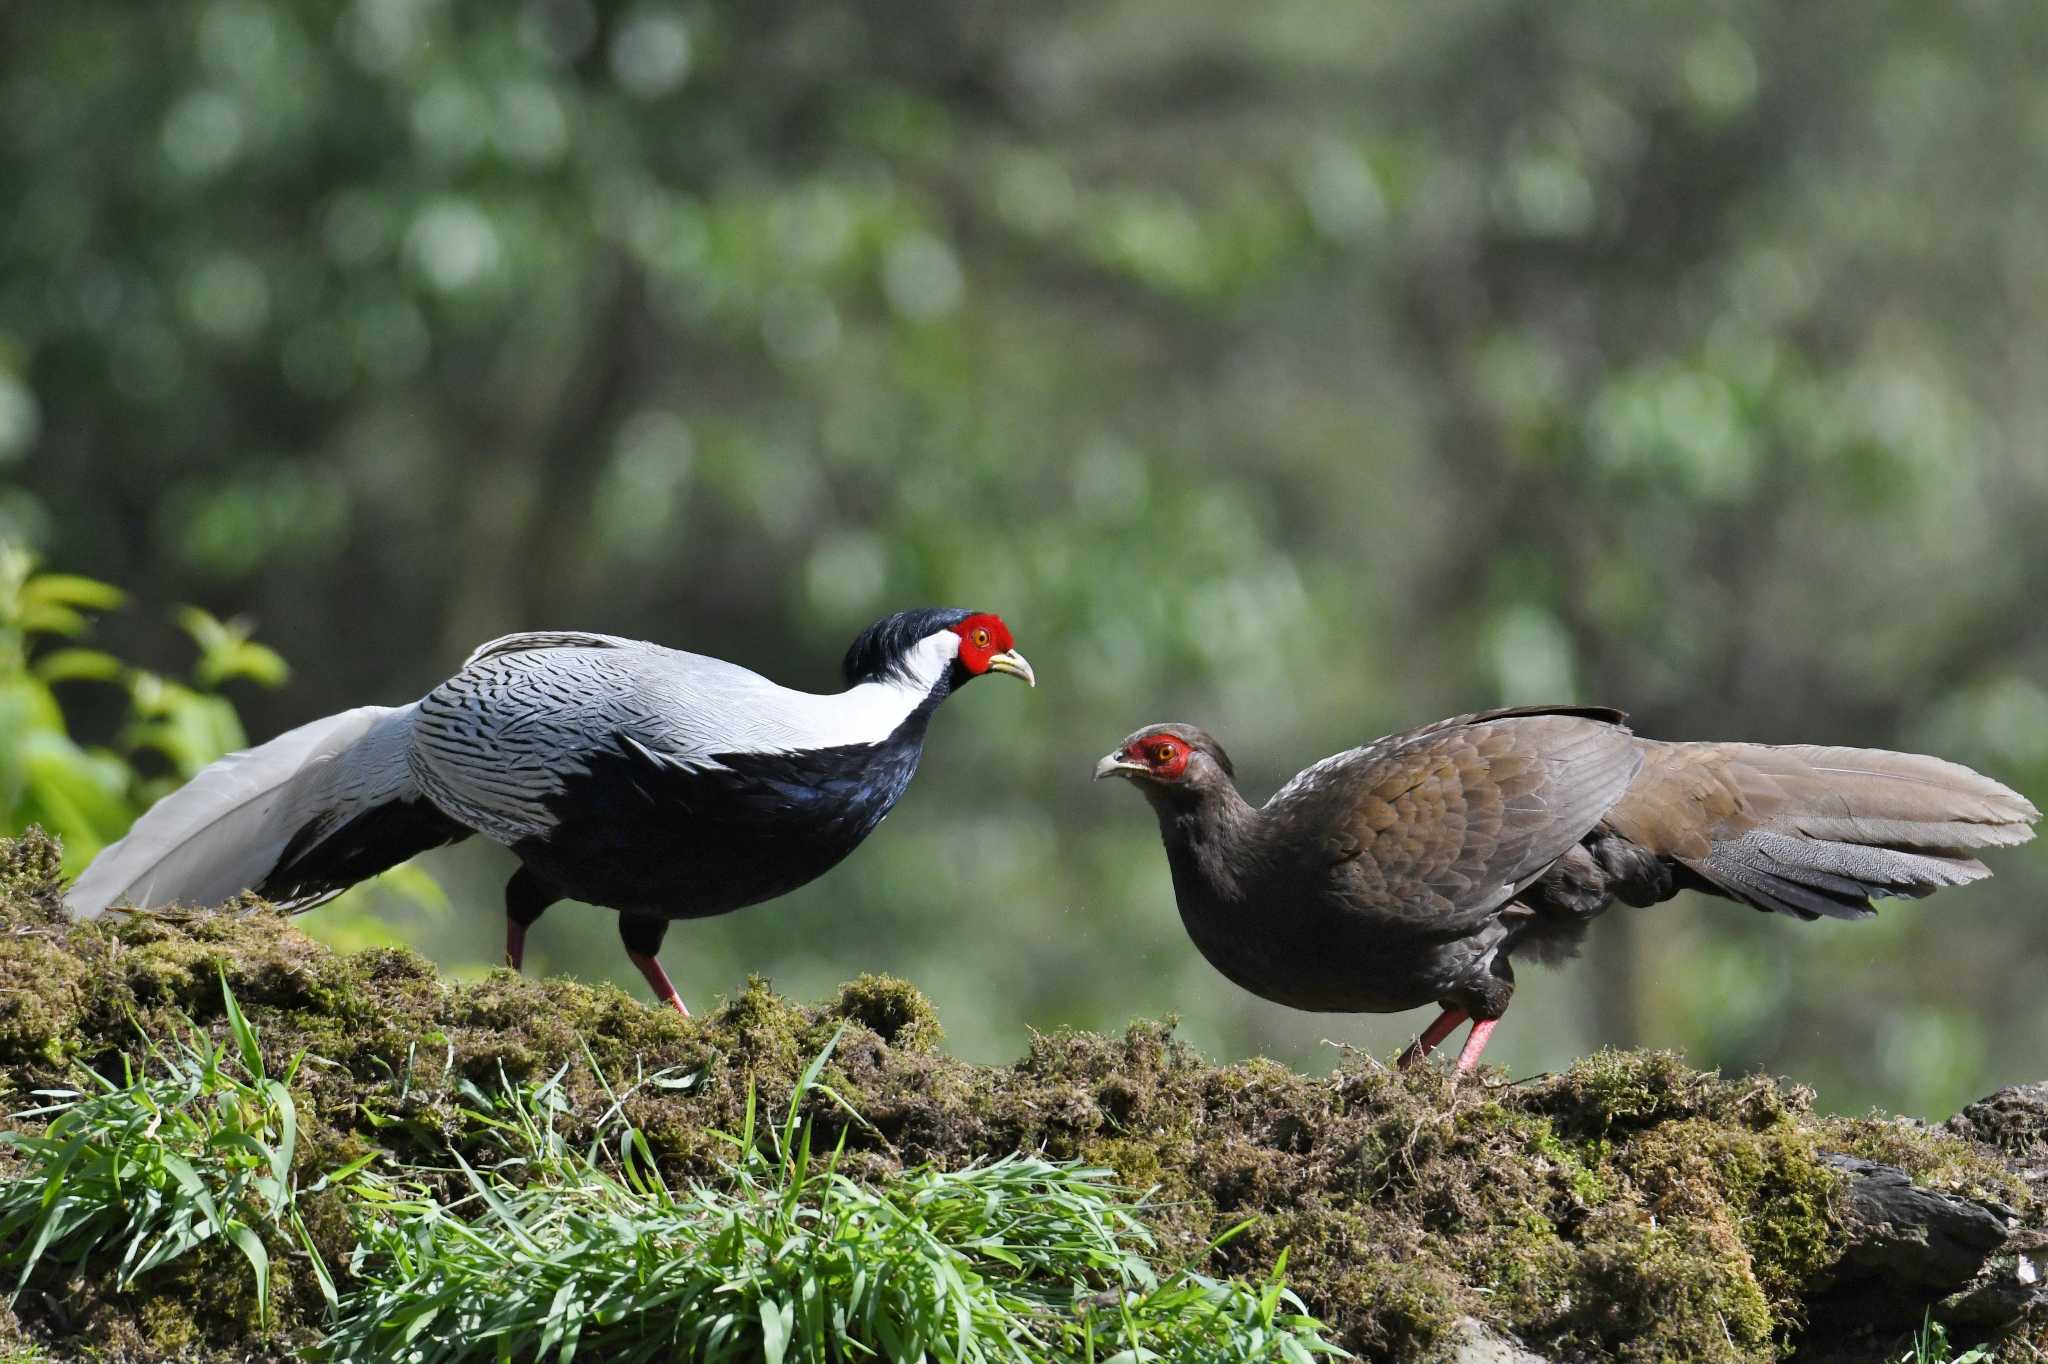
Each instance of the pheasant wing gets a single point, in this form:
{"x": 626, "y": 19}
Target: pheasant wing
{"x": 497, "y": 743}
{"x": 1434, "y": 830}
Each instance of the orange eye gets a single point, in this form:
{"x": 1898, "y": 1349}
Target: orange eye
{"x": 1163, "y": 754}
{"x": 981, "y": 639}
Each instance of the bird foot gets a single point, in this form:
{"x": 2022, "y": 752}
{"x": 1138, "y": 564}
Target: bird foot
{"x": 664, "y": 988}
{"x": 1475, "y": 1043}
{"x": 1446, "y": 1023}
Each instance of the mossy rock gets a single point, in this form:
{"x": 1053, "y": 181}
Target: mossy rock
{"x": 1630, "y": 1208}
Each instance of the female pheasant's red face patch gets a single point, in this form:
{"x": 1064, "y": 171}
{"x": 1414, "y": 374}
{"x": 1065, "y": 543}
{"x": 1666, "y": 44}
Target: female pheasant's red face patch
{"x": 982, "y": 637}
{"x": 1165, "y": 757}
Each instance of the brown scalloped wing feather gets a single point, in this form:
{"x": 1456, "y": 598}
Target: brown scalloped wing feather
{"x": 1437, "y": 828}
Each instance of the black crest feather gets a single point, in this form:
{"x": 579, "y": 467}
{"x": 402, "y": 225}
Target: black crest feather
{"x": 880, "y": 648}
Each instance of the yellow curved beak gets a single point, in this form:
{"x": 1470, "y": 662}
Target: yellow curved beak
{"x": 1013, "y": 663}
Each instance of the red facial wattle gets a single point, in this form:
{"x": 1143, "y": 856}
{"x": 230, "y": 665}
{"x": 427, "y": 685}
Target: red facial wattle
{"x": 1165, "y": 759}
{"x": 982, "y": 637}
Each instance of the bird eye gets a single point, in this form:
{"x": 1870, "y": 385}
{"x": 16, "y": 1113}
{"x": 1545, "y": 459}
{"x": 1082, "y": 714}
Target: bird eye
{"x": 1163, "y": 754}
{"x": 981, "y": 639}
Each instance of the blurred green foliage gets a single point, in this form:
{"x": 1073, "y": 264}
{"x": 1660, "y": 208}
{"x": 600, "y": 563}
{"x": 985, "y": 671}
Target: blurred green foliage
{"x": 1308, "y": 370}
{"x": 88, "y": 795}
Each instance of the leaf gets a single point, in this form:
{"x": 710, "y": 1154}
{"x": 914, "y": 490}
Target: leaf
{"x": 238, "y": 1026}
{"x": 51, "y": 618}
{"x": 68, "y": 589}
{"x": 78, "y": 665}
{"x": 226, "y": 652}
{"x": 775, "y": 1329}
{"x": 188, "y": 727}
{"x": 320, "y": 1271}
{"x": 257, "y": 662}
{"x": 95, "y": 783}
{"x": 280, "y": 1097}
{"x": 804, "y": 1084}
{"x": 259, "y": 1260}
{"x": 207, "y": 630}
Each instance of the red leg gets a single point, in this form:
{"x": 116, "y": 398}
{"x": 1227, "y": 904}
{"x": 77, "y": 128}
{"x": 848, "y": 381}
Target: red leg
{"x": 664, "y": 989}
{"x": 1468, "y": 1059}
{"x": 1446, "y": 1023}
{"x": 515, "y": 943}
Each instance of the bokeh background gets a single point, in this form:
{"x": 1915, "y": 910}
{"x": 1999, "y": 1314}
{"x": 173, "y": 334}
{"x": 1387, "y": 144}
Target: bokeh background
{"x": 1307, "y": 370}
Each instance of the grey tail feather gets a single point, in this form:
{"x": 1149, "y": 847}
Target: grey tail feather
{"x": 1850, "y": 825}
{"x": 298, "y": 819}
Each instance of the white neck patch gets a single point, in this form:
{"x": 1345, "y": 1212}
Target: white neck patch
{"x": 870, "y": 712}
{"x": 926, "y": 663}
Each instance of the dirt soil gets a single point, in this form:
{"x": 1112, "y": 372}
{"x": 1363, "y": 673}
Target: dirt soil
{"x": 1630, "y": 1208}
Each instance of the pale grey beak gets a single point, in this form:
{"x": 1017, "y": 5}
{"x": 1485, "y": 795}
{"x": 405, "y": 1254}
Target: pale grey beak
{"x": 1117, "y": 765}
{"x": 1012, "y": 662}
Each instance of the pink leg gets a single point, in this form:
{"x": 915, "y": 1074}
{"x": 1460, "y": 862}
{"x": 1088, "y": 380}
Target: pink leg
{"x": 515, "y": 943}
{"x": 1446, "y": 1023}
{"x": 664, "y": 989}
{"x": 1468, "y": 1059}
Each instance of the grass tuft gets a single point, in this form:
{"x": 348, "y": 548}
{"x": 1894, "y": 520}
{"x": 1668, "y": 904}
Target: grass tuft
{"x": 172, "y": 1156}
{"x": 558, "y": 1251}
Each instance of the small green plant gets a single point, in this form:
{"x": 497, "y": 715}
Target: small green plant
{"x": 558, "y": 1251}
{"x": 175, "y": 1154}
{"x": 1931, "y": 1346}
{"x": 88, "y": 796}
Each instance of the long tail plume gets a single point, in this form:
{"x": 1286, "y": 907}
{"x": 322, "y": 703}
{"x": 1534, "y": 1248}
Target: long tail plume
{"x": 298, "y": 820}
{"x": 1820, "y": 831}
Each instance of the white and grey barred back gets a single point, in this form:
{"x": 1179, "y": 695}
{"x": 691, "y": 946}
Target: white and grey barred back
{"x": 494, "y": 744}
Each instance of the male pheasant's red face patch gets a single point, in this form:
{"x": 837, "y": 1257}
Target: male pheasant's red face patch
{"x": 1165, "y": 757}
{"x": 982, "y": 637}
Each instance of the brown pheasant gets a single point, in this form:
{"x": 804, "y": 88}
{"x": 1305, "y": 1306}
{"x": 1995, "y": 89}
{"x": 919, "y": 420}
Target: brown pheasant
{"x": 1413, "y": 870}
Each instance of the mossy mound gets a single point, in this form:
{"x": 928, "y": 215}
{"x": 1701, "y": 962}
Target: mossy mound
{"x": 1628, "y": 1209}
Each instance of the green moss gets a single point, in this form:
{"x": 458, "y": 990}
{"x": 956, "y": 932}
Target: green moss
{"x": 893, "y": 1010}
{"x": 1629, "y": 1208}
{"x": 1635, "y": 1287}
{"x": 1932, "y": 1157}
{"x": 760, "y": 1026}
{"x": 167, "y": 1325}
{"x": 1612, "y": 1090}
{"x": 41, "y": 987}
{"x": 1408, "y": 1307}
{"x": 1771, "y": 1189}
{"x": 31, "y": 880}
{"x": 1581, "y": 1172}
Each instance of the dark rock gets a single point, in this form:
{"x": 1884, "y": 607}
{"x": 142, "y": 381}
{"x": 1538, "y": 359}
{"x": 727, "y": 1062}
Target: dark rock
{"x": 1911, "y": 1240}
{"x": 1910, "y": 1247}
{"x": 2015, "y": 1121}
{"x": 2012, "y": 1288}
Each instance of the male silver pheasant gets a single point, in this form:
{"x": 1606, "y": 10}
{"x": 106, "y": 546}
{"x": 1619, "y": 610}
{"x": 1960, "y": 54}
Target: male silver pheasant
{"x": 665, "y": 785}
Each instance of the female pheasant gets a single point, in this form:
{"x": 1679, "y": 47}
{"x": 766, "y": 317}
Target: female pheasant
{"x": 1415, "y": 869}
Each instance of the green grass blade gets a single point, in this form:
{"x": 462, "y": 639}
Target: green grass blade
{"x": 242, "y": 1032}
{"x": 251, "y": 1246}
